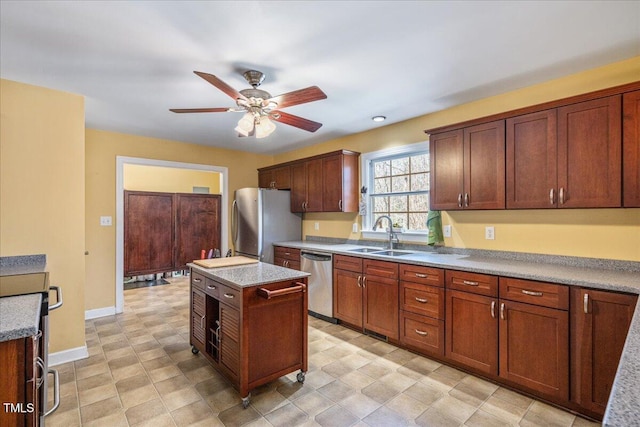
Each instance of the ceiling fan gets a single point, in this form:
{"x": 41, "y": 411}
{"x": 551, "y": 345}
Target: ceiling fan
{"x": 259, "y": 106}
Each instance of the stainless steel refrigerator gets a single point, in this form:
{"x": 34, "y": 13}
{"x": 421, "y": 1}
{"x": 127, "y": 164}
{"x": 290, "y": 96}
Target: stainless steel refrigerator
{"x": 261, "y": 217}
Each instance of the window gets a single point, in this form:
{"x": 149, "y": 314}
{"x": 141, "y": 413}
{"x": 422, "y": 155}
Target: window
{"x": 397, "y": 182}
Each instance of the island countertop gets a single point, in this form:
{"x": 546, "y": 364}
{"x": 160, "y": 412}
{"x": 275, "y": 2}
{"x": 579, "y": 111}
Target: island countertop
{"x": 19, "y": 316}
{"x": 243, "y": 276}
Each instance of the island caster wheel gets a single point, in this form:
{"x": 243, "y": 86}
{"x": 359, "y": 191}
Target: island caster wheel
{"x": 246, "y": 401}
{"x": 194, "y": 350}
{"x": 300, "y": 377}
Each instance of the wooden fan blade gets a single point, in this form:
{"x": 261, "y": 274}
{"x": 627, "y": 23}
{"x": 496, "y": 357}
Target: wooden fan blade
{"x": 300, "y": 96}
{"x": 221, "y": 85}
{"x": 299, "y": 122}
{"x": 199, "y": 110}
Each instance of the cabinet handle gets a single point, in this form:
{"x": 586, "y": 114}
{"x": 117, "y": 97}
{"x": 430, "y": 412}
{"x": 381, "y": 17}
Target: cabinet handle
{"x": 287, "y": 253}
{"x": 586, "y": 303}
{"x": 340, "y": 205}
{"x": 532, "y": 293}
{"x": 459, "y": 200}
{"x": 493, "y": 309}
{"x": 213, "y": 288}
{"x": 470, "y": 283}
{"x": 230, "y": 296}
{"x": 58, "y": 303}
{"x": 359, "y": 281}
{"x": 195, "y": 279}
{"x": 423, "y": 333}
{"x": 466, "y": 199}
{"x": 562, "y": 195}
{"x": 422, "y": 276}
{"x": 502, "y": 311}
{"x": 551, "y": 194}
{"x": 202, "y": 321}
{"x": 364, "y": 281}
{"x": 422, "y": 300}
{"x": 286, "y": 263}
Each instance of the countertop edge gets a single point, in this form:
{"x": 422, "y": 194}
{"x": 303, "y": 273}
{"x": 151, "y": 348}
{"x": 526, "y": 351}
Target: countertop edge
{"x": 19, "y": 316}
{"x": 238, "y": 277}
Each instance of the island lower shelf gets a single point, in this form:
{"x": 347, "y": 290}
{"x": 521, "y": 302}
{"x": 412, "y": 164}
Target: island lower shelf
{"x": 253, "y": 334}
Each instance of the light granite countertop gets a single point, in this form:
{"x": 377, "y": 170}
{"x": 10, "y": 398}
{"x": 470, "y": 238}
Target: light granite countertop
{"x": 623, "y": 408}
{"x": 243, "y": 276}
{"x": 19, "y": 316}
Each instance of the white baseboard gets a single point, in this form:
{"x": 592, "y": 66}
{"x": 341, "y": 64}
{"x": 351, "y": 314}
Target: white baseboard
{"x": 99, "y": 312}
{"x": 70, "y": 355}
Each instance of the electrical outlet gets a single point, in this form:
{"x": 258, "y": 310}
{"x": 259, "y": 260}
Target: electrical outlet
{"x": 316, "y": 226}
{"x": 489, "y": 233}
{"x": 354, "y": 227}
{"x": 105, "y": 221}
{"x": 446, "y": 231}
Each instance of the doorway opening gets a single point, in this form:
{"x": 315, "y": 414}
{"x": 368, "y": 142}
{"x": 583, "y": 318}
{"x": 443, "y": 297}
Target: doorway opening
{"x": 123, "y": 163}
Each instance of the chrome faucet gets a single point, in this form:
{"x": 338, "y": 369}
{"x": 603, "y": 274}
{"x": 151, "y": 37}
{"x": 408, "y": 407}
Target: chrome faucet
{"x": 392, "y": 235}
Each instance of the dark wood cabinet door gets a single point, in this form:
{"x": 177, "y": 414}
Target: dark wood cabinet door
{"x": 265, "y": 179}
{"x": 380, "y": 313}
{"x": 534, "y": 348}
{"x": 230, "y": 340}
{"x": 314, "y": 185}
{"x": 599, "y": 324}
{"x": 631, "y": 149}
{"x": 484, "y": 166}
{"x": 198, "y": 319}
{"x": 471, "y": 329}
{"x": 589, "y": 154}
{"x": 148, "y": 232}
{"x": 197, "y": 226}
{"x": 282, "y": 178}
{"x": 298, "y": 187}
{"x": 532, "y": 174}
{"x": 332, "y": 179}
{"x": 347, "y": 296}
{"x": 447, "y": 170}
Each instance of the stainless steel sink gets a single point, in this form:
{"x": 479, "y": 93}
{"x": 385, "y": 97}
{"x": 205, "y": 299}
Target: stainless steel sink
{"x": 393, "y": 253}
{"x": 365, "y": 250}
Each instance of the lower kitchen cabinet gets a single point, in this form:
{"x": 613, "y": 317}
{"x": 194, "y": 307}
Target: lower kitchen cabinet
{"x": 600, "y": 322}
{"x": 234, "y": 329}
{"x": 19, "y": 382}
{"x": 366, "y": 294}
{"x": 286, "y": 257}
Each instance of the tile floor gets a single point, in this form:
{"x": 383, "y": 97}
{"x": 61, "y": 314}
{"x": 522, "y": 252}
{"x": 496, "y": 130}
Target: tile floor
{"x": 141, "y": 372}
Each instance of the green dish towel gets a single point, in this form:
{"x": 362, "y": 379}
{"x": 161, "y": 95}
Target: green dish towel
{"x": 434, "y": 225}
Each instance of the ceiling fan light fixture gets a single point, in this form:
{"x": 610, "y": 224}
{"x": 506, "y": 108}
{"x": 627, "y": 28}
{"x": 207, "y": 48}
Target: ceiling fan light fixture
{"x": 245, "y": 125}
{"x": 264, "y": 127}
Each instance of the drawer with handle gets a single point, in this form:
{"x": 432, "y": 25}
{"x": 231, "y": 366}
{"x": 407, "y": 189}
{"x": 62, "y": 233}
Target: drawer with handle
{"x": 287, "y": 253}
{"x": 420, "y": 274}
{"x": 482, "y": 284}
{"x": 422, "y": 299}
{"x": 211, "y": 287}
{"x": 422, "y": 333}
{"x": 531, "y": 292}
{"x": 229, "y": 295}
{"x": 197, "y": 280}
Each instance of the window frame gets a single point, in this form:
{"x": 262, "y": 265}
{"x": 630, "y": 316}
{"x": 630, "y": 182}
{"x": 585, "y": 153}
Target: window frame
{"x": 365, "y": 179}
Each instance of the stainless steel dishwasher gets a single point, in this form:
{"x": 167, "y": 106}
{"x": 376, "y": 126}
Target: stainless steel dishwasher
{"x": 320, "y": 265}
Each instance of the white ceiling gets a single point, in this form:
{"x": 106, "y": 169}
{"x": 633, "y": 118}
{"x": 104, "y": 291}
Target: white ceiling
{"x": 134, "y": 60}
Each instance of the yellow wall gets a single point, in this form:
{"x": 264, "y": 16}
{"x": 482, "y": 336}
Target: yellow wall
{"x": 102, "y": 147}
{"x": 42, "y": 194}
{"x": 610, "y": 233}
{"x": 170, "y": 180}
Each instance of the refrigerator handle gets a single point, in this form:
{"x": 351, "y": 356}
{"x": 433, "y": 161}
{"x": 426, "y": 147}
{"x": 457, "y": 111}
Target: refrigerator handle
{"x": 234, "y": 221}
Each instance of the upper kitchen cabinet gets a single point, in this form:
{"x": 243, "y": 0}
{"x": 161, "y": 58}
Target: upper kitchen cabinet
{"x": 340, "y": 182}
{"x": 631, "y": 149}
{"x": 306, "y": 186}
{"x": 532, "y": 167}
{"x": 567, "y": 157}
{"x": 323, "y": 183}
{"x": 589, "y": 154}
{"x": 468, "y": 168}
{"x": 278, "y": 178}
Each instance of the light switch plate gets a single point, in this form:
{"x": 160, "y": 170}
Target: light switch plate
{"x": 105, "y": 221}
{"x": 316, "y": 226}
{"x": 354, "y": 227}
{"x": 446, "y": 231}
